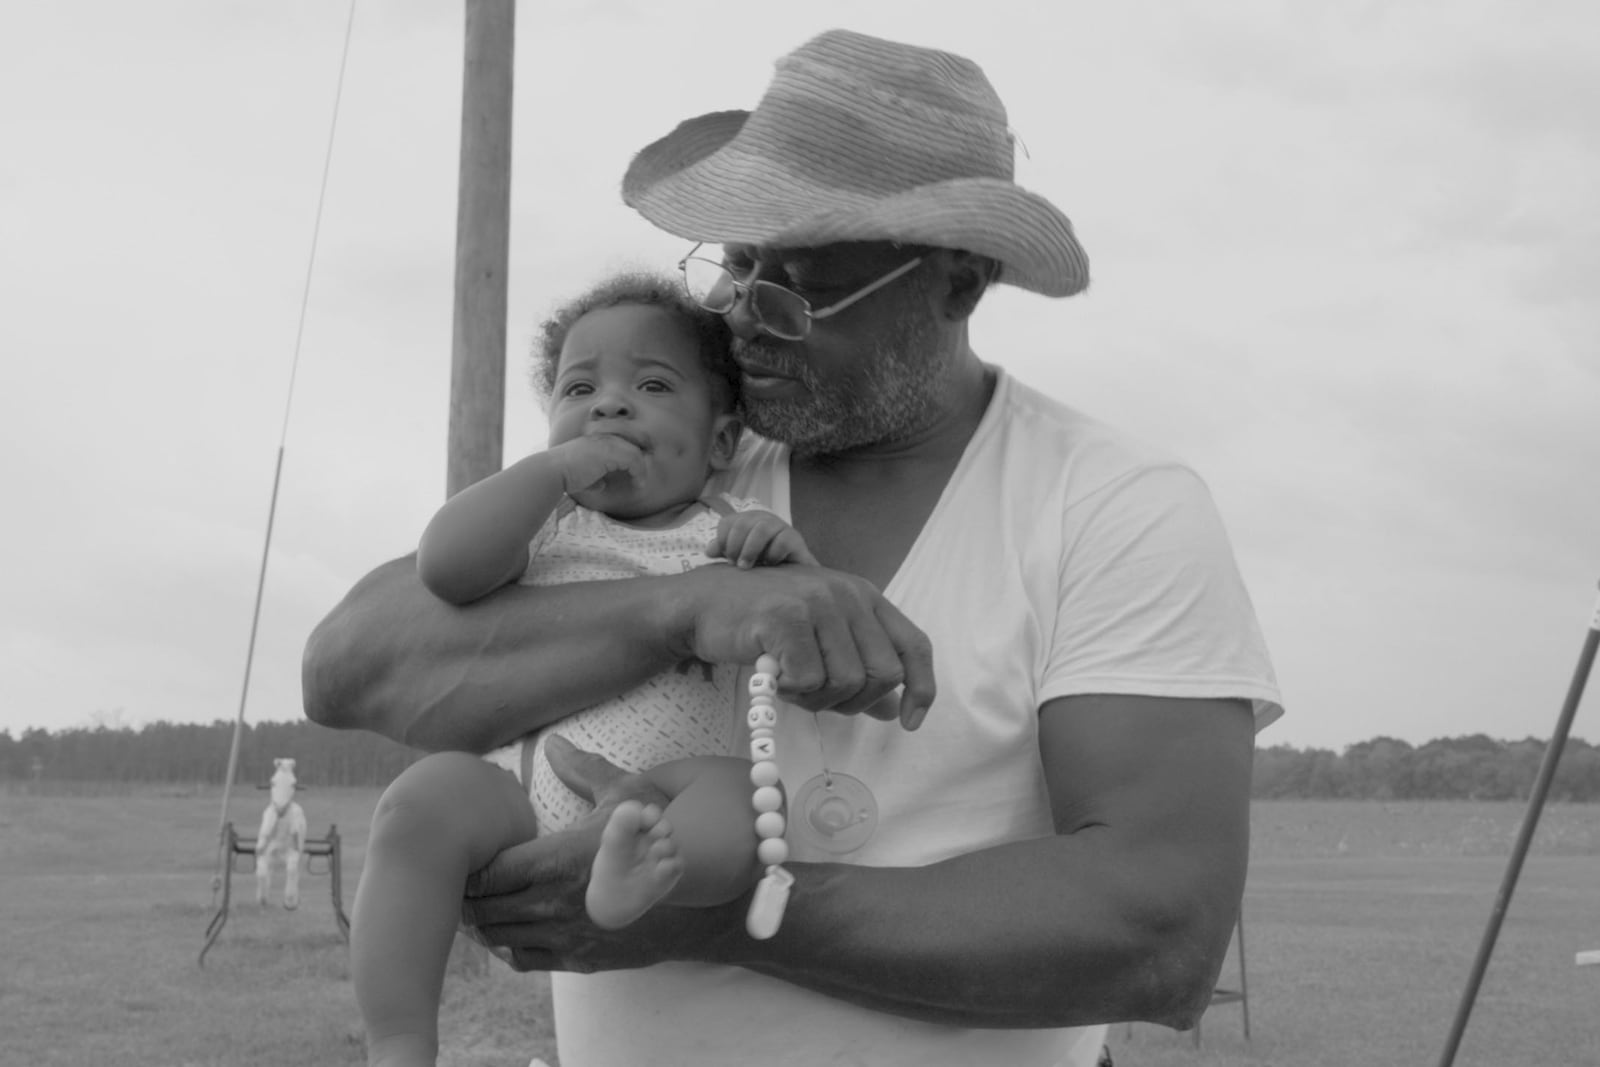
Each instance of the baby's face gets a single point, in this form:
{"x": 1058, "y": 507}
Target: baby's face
{"x": 634, "y": 370}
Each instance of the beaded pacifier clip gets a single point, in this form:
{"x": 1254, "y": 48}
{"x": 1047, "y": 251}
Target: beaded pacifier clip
{"x": 772, "y": 892}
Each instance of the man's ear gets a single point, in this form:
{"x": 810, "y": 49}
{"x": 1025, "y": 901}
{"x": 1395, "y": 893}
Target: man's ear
{"x": 969, "y": 276}
{"x": 724, "y": 441}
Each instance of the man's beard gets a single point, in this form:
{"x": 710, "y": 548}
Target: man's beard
{"x": 888, "y": 397}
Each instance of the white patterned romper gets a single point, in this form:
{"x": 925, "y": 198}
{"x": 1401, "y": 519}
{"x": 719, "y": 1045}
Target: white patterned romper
{"x": 687, "y": 711}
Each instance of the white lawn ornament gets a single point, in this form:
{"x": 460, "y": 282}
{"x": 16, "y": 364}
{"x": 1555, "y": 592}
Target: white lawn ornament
{"x": 283, "y": 832}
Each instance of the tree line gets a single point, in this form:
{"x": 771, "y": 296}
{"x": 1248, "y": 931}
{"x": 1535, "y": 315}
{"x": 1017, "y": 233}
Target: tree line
{"x": 197, "y": 754}
{"x": 1473, "y": 767}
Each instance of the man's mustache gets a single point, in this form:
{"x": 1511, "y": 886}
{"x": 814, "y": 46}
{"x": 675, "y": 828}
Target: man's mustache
{"x": 768, "y": 357}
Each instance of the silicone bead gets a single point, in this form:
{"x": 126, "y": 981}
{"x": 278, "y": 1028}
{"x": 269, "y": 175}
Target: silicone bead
{"x": 759, "y": 716}
{"x": 767, "y": 798}
{"x": 766, "y": 664}
{"x": 762, "y": 748}
{"x": 763, "y": 685}
{"x": 769, "y": 824}
{"x": 772, "y": 851}
{"x": 764, "y": 773}
{"x": 764, "y": 700}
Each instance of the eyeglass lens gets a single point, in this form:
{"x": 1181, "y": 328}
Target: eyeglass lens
{"x": 714, "y": 288}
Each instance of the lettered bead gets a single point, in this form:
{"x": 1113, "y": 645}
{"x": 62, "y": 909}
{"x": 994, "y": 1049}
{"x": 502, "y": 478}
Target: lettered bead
{"x": 762, "y": 717}
{"x": 763, "y": 685}
{"x": 767, "y": 664}
{"x": 772, "y": 851}
{"x": 768, "y": 798}
{"x": 763, "y": 748}
{"x": 769, "y": 824}
{"x": 764, "y": 773}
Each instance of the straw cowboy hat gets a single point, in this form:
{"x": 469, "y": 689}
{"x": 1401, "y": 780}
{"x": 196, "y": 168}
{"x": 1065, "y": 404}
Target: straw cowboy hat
{"x": 861, "y": 139}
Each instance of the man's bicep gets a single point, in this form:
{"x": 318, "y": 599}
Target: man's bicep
{"x": 1168, "y": 774}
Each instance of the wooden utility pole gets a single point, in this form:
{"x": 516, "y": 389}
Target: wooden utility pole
{"x": 483, "y": 242}
{"x": 483, "y": 239}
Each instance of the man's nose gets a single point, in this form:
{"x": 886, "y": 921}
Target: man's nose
{"x": 741, "y": 318}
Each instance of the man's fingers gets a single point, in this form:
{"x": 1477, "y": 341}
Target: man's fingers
{"x": 550, "y": 860}
{"x": 899, "y": 669}
{"x": 843, "y": 658}
{"x": 528, "y": 960}
{"x": 881, "y": 659}
{"x": 491, "y": 880}
{"x": 914, "y": 653}
{"x": 800, "y": 668}
{"x": 840, "y": 645}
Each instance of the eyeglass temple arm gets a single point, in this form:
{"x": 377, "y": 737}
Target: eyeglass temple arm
{"x": 861, "y": 294}
{"x": 683, "y": 264}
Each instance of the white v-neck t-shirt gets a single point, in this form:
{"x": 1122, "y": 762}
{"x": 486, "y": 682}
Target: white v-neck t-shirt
{"x": 1062, "y": 559}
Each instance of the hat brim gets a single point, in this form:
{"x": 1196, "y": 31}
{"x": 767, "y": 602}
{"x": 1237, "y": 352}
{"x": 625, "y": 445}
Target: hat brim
{"x": 696, "y": 183}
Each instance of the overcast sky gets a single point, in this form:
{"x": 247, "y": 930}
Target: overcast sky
{"x": 1346, "y": 261}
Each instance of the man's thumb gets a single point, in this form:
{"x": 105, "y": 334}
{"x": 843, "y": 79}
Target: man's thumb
{"x": 585, "y": 773}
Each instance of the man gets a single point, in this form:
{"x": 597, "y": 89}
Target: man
{"x": 1060, "y": 840}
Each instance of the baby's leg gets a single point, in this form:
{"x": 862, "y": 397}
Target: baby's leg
{"x": 700, "y": 851}
{"x": 444, "y": 817}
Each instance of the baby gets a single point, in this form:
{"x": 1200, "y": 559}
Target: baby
{"x": 643, "y": 408}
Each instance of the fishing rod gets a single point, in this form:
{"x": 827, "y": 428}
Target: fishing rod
{"x": 277, "y": 470}
{"x": 1530, "y": 822}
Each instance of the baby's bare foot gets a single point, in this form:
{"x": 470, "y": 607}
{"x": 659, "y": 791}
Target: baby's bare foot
{"x": 636, "y": 866}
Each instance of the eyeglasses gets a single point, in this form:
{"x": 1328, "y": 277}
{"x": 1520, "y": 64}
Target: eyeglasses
{"x": 783, "y": 313}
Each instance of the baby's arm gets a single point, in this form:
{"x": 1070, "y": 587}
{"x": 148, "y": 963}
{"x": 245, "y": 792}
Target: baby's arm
{"x": 748, "y": 538}
{"x": 478, "y": 541}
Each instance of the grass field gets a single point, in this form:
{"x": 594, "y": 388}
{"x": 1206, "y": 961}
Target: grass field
{"x": 1361, "y": 921}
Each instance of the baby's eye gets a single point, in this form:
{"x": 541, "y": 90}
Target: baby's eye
{"x": 577, "y": 389}
{"x": 656, "y": 385}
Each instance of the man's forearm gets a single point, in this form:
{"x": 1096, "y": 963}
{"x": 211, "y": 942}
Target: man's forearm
{"x": 394, "y": 659}
{"x": 1044, "y": 933}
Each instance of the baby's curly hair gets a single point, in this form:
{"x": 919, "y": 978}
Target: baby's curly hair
{"x": 649, "y": 289}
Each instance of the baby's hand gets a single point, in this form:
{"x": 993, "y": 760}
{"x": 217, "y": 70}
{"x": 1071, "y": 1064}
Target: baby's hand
{"x": 747, "y": 538}
{"x": 585, "y": 462}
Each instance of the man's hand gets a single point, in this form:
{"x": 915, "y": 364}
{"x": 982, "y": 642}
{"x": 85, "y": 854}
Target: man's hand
{"x": 840, "y": 645}
{"x": 748, "y": 538}
{"x": 529, "y": 899}
{"x": 587, "y": 461}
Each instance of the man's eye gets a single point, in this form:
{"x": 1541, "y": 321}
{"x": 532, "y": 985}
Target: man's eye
{"x": 808, "y": 281}
{"x": 738, "y": 264}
